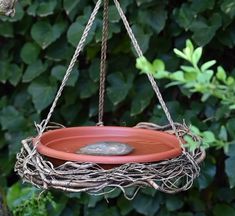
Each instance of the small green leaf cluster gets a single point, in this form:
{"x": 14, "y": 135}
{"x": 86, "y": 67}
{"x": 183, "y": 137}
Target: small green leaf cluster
{"x": 194, "y": 77}
{"x": 28, "y": 201}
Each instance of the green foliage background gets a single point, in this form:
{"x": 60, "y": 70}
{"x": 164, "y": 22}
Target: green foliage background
{"x": 35, "y": 48}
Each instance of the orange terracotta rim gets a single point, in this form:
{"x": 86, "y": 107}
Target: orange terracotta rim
{"x": 149, "y": 146}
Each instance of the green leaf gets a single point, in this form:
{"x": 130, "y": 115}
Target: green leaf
{"x": 15, "y": 73}
{"x": 201, "y": 5}
{"x": 124, "y": 206}
{"x": 29, "y": 52}
{"x": 208, "y": 136}
{"x": 87, "y": 88}
{"x": 196, "y": 55}
{"x": 142, "y": 98}
{"x": 228, "y": 7}
{"x": 42, "y": 92}
{"x": 184, "y": 16}
{"x": 33, "y": 71}
{"x": 44, "y": 34}
{"x": 223, "y": 209}
{"x": 16, "y": 195}
{"x": 4, "y": 71}
{"x": 189, "y": 44}
{"x": 114, "y": 16}
{"x": 6, "y": 29}
{"x": 46, "y": 8}
{"x": 178, "y": 75}
{"x": 146, "y": 205}
{"x": 221, "y": 74}
{"x": 75, "y": 32}
{"x": 94, "y": 70}
{"x": 143, "y": 37}
{"x": 119, "y": 87}
{"x": 69, "y": 5}
{"x": 158, "y": 65}
{"x": 174, "y": 203}
{"x": 155, "y": 18}
{"x": 11, "y": 119}
{"x": 60, "y": 50}
{"x": 180, "y": 54}
{"x": 207, "y": 65}
{"x": 207, "y": 175}
{"x": 32, "y": 9}
{"x": 204, "y": 31}
{"x": 144, "y": 65}
{"x": 59, "y": 71}
{"x": 223, "y": 135}
{"x": 229, "y": 169}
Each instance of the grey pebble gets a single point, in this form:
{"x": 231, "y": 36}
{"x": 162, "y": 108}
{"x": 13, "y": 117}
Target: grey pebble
{"x": 106, "y": 149}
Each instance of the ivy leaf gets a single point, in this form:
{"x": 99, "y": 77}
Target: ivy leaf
{"x": 142, "y": 98}
{"x": 223, "y": 209}
{"x": 207, "y": 174}
{"x": 59, "y": 71}
{"x": 87, "y": 88}
{"x": 156, "y": 18}
{"x": 142, "y": 37}
{"x": 29, "y": 53}
{"x": 75, "y": 32}
{"x": 44, "y": 34}
{"x": 184, "y": 16}
{"x": 59, "y": 50}
{"x": 42, "y": 92}
{"x": 228, "y": 7}
{"x": 114, "y": 16}
{"x": 119, "y": 87}
{"x": 11, "y": 119}
{"x": 4, "y": 68}
{"x": 69, "y": 5}
{"x": 33, "y": 71}
{"x": 146, "y": 205}
{"x": 229, "y": 169}
{"x": 205, "y": 31}
{"x": 14, "y": 74}
{"x": 6, "y": 29}
{"x": 173, "y": 203}
{"x": 201, "y": 5}
{"x": 46, "y": 8}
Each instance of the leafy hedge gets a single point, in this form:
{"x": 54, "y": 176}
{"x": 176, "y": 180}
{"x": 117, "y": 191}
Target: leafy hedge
{"x": 36, "y": 46}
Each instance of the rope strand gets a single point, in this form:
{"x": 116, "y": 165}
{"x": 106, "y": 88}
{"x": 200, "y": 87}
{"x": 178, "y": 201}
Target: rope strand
{"x": 150, "y": 77}
{"x": 79, "y": 48}
{"x": 103, "y": 62}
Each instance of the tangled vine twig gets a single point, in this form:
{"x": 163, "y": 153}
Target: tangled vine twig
{"x": 169, "y": 176}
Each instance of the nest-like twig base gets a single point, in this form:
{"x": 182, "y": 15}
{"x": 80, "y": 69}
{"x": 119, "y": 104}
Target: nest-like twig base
{"x": 170, "y": 176}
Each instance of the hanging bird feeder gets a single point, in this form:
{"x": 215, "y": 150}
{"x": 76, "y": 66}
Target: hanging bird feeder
{"x": 98, "y": 159}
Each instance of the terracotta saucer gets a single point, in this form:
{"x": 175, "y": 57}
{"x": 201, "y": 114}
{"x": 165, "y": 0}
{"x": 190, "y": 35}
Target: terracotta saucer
{"x": 149, "y": 146}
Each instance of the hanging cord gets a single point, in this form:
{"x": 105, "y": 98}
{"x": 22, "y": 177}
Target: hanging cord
{"x": 150, "y": 77}
{"x": 103, "y": 62}
{"x": 42, "y": 126}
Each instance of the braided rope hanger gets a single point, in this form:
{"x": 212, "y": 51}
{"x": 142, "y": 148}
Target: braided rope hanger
{"x": 42, "y": 126}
